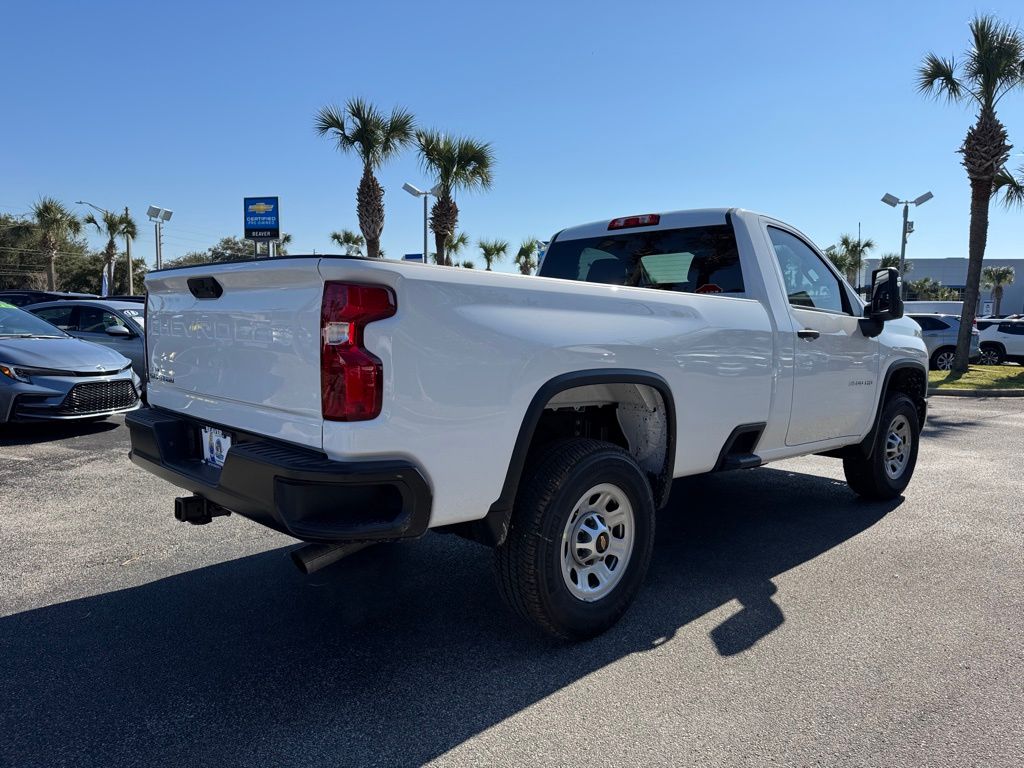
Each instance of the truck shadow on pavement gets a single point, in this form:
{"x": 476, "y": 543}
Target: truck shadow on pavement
{"x": 394, "y": 656}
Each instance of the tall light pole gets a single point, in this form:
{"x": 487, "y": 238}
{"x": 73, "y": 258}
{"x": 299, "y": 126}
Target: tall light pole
{"x": 908, "y": 226}
{"x": 425, "y": 195}
{"x": 158, "y": 216}
{"x": 127, "y": 243}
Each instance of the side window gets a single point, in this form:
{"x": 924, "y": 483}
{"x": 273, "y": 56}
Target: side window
{"x": 59, "y": 316}
{"x": 809, "y": 283}
{"x": 96, "y": 320}
{"x": 1014, "y": 329}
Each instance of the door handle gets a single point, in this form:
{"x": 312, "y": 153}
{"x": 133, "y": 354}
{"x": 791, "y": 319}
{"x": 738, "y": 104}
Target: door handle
{"x": 808, "y": 334}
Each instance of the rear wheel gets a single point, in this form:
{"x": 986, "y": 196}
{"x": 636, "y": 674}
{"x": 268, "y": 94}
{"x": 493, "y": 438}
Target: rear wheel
{"x": 886, "y": 471}
{"x": 991, "y": 355}
{"x": 580, "y": 539}
{"x": 943, "y": 358}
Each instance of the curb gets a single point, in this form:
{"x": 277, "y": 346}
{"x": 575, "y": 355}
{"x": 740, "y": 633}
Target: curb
{"x": 976, "y": 392}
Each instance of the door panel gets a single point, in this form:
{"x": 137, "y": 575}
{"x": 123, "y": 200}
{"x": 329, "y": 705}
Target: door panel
{"x": 835, "y": 378}
{"x": 835, "y": 366}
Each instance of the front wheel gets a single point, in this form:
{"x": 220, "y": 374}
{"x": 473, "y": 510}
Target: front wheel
{"x": 942, "y": 360}
{"x": 580, "y": 539}
{"x": 885, "y": 473}
{"x": 991, "y": 355}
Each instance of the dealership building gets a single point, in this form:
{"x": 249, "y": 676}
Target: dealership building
{"x": 952, "y": 273}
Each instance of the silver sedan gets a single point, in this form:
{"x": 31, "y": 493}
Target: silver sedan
{"x": 47, "y": 374}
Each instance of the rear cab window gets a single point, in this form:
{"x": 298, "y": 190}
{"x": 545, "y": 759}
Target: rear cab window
{"x": 702, "y": 259}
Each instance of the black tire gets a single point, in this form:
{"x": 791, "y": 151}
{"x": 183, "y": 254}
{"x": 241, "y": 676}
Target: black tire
{"x": 942, "y": 360}
{"x": 868, "y": 477}
{"x": 991, "y": 354}
{"x": 529, "y": 564}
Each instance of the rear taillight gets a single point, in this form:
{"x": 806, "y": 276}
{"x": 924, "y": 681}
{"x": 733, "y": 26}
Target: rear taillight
{"x": 351, "y": 378}
{"x": 627, "y": 222}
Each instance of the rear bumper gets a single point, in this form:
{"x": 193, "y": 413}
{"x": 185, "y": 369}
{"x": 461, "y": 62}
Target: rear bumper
{"x": 292, "y": 490}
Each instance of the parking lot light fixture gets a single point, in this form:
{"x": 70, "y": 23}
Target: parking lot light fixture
{"x": 893, "y": 201}
{"x": 417, "y": 192}
{"x": 158, "y": 216}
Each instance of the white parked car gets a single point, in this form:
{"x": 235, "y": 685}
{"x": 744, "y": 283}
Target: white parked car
{"x": 1001, "y": 341}
{"x": 345, "y": 400}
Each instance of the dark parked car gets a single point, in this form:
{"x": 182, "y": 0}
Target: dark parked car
{"x": 46, "y": 374}
{"x": 26, "y": 297}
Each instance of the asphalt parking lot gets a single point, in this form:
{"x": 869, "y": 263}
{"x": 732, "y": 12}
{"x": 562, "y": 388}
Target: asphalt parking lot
{"x": 784, "y": 623}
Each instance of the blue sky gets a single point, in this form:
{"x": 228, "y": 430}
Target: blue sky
{"x": 806, "y": 111}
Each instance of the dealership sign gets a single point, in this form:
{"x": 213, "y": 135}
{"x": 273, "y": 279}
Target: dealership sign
{"x": 262, "y": 219}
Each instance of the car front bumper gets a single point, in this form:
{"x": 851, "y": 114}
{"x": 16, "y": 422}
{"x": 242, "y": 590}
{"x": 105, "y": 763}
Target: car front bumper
{"x": 293, "y": 490}
{"x": 67, "y": 398}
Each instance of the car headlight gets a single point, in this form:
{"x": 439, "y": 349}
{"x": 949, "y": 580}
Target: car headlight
{"x": 12, "y": 372}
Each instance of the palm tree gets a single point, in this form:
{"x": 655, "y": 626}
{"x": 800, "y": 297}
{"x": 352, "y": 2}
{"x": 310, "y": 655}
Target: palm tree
{"x": 927, "y": 289}
{"x": 492, "y": 251}
{"x": 113, "y": 225}
{"x": 468, "y": 264}
{"x": 375, "y": 138}
{"x": 457, "y": 164}
{"x": 848, "y": 256}
{"x": 53, "y": 223}
{"x": 994, "y": 278}
{"x": 454, "y": 245}
{"x": 893, "y": 260}
{"x": 351, "y": 241}
{"x": 840, "y": 259}
{"x": 526, "y": 256}
{"x": 992, "y": 67}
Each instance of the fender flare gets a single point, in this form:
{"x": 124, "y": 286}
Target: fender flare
{"x": 493, "y": 527}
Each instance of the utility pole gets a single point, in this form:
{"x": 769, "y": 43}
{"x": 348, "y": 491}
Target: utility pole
{"x": 128, "y": 250}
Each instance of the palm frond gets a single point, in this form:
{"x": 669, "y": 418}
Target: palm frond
{"x": 330, "y": 120}
{"x": 398, "y": 132}
{"x": 1009, "y": 188}
{"x": 938, "y": 77}
{"x": 362, "y": 128}
{"x": 456, "y": 163}
{"x": 994, "y": 61}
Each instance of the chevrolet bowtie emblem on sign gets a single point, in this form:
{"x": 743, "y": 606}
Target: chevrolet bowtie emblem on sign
{"x": 260, "y": 208}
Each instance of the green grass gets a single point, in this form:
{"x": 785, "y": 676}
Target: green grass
{"x": 980, "y": 377}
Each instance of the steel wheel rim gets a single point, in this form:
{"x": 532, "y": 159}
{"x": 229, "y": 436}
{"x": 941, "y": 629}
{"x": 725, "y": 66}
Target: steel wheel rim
{"x": 597, "y": 542}
{"x": 898, "y": 443}
{"x": 944, "y": 361}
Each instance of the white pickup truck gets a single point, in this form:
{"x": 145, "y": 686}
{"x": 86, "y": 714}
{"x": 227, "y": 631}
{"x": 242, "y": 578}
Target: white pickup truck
{"x": 345, "y": 400}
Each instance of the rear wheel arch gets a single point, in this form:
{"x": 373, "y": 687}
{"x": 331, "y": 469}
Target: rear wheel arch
{"x": 557, "y": 393}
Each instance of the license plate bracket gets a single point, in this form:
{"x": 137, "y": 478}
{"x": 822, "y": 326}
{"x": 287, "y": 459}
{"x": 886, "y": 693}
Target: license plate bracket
{"x": 215, "y": 443}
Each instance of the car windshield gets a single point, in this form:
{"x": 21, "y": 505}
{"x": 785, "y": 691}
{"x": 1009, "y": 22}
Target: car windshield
{"x": 18, "y": 323}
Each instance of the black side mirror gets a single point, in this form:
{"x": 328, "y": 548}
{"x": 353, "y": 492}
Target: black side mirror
{"x": 886, "y": 295}
{"x": 886, "y": 300}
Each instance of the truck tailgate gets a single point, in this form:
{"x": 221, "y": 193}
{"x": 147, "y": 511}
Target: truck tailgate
{"x": 238, "y": 345}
